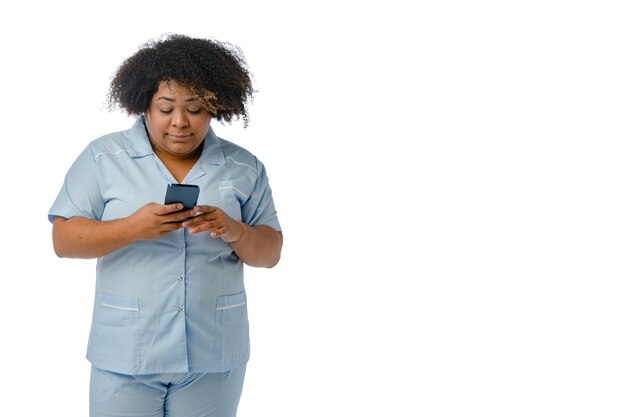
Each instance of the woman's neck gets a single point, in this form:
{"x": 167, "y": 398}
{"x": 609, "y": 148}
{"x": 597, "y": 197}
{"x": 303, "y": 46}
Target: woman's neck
{"x": 179, "y": 166}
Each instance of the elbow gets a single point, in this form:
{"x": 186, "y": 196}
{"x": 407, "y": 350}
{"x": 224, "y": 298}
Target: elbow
{"x": 59, "y": 250}
{"x": 65, "y": 249}
{"x": 267, "y": 260}
{"x": 262, "y": 263}
{"x": 56, "y": 245}
{"x": 273, "y": 262}
{"x": 268, "y": 250}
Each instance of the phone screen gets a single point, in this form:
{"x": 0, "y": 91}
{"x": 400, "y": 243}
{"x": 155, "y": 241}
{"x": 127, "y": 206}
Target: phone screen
{"x": 186, "y": 194}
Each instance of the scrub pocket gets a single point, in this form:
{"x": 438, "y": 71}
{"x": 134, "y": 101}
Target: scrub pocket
{"x": 115, "y": 329}
{"x": 231, "y": 199}
{"x": 232, "y": 339}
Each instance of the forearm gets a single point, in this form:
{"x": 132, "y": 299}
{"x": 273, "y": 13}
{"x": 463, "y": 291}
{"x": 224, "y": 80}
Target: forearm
{"x": 259, "y": 246}
{"x": 80, "y": 237}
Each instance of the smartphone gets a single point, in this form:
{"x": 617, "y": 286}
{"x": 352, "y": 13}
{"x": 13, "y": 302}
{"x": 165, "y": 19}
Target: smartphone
{"x": 186, "y": 194}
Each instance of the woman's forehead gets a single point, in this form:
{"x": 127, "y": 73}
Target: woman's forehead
{"x": 174, "y": 90}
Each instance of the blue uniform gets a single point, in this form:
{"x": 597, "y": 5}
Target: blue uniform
{"x": 176, "y": 304}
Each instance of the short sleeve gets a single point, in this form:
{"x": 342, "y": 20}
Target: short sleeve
{"x": 259, "y": 207}
{"x": 80, "y": 195}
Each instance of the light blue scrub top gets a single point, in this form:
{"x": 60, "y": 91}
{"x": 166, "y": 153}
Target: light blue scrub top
{"x": 177, "y": 303}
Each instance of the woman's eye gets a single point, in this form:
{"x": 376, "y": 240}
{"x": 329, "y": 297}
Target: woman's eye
{"x": 165, "y": 111}
{"x": 195, "y": 111}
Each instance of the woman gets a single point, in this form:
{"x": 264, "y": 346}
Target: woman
{"x": 169, "y": 334}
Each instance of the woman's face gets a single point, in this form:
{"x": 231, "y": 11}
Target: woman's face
{"x": 176, "y": 121}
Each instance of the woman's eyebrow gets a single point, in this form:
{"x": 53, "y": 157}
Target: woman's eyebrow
{"x": 172, "y": 100}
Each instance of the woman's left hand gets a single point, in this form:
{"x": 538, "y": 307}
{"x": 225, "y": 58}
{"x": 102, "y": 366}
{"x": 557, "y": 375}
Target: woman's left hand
{"x": 215, "y": 221}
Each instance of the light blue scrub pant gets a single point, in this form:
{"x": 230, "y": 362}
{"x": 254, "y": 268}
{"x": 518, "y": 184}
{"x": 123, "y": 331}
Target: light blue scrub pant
{"x": 165, "y": 395}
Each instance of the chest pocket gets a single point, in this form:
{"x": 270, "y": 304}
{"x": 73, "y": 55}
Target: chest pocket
{"x": 231, "y": 199}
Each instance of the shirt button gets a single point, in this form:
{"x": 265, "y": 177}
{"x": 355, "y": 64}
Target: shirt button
{"x": 180, "y": 310}
{"x": 180, "y": 278}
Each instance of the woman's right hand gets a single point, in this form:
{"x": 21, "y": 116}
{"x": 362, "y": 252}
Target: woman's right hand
{"x": 153, "y": 220}
{"x": 81, "y": 237}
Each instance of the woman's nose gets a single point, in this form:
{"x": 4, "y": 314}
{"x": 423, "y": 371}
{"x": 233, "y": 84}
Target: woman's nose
{"x": 179, "y": 120}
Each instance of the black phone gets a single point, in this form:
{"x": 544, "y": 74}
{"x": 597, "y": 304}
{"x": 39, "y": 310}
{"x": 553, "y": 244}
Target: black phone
{"x": 187, "y": 194}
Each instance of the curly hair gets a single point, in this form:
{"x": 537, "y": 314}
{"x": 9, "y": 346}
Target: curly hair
{"x": 216, "y": 71}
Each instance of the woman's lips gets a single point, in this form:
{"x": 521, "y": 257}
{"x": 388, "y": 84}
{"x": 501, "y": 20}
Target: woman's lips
{"x": 180, "y": 137}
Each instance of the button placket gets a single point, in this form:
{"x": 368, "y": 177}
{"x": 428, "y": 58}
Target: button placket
{"x": 181, "y": 277}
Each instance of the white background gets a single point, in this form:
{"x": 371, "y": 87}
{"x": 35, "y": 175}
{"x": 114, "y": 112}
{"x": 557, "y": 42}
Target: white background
{"x": 449, "y": 177}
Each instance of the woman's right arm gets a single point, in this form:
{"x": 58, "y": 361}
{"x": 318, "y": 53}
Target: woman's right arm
{"x": 80, "y": 237}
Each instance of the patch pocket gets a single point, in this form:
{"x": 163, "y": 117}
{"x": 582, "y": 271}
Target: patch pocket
{"x": 231, "y": 199}
{"x": 232, "y": 339}
{"x": 115, "y": 329}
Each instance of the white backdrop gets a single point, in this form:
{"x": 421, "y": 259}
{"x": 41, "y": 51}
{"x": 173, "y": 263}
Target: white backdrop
{"x": 449, "y": 177}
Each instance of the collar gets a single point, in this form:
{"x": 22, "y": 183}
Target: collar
{"x": 212, "y": 152}
{"x": 137, "y": 141}
{"x": 138, "y": 144}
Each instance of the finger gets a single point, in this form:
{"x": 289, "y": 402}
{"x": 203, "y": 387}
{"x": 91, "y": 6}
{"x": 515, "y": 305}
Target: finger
{"x": 202, "y": 219}
{"x": 173, "y": 226}
{"x": 213, "y": 216}
{"x": 197, "y": 223}
{"x": 180, "y": 215}
{"x": 204, "y": 226}
{"x": 169, "y": 228}
{"x": 201, "y": 227}
{"x": 170, "y": 208}
{"x": 205, "y": 209}
{"x": 218, "y": 232}
{"x": 194, "y": 220}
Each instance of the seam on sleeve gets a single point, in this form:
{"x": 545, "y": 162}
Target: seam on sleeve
{"x": 108, "y": 153}
{"x": 242, "y": 164}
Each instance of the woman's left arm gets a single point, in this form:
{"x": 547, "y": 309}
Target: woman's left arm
{"x": 259, "y": 246}
{"x": 255, "y": 245}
